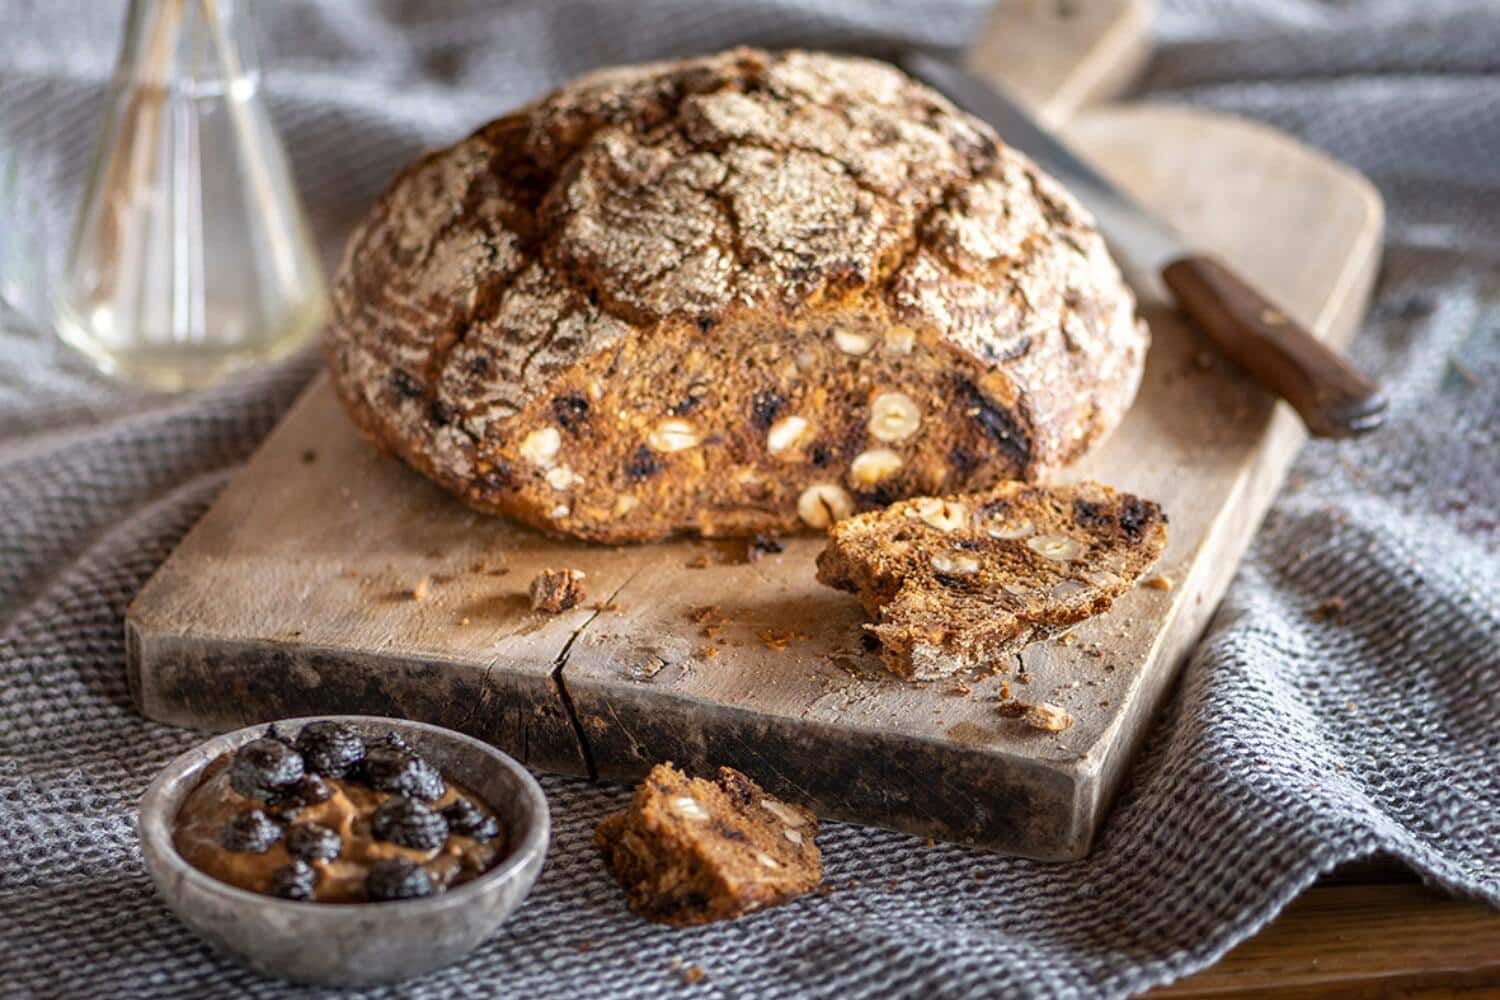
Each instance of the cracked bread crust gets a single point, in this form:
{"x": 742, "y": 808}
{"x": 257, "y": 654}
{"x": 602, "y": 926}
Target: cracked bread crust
{"x": 670, "y": 299}
{"x": 956, "y": 583}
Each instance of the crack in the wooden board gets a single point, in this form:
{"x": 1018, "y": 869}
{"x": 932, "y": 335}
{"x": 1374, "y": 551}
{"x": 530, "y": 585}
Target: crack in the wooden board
{"x": 635, "y": 745}
{"x": 567, "y": 704}
{"x": 562, "y": 690}
{"x": 484, "y": 693}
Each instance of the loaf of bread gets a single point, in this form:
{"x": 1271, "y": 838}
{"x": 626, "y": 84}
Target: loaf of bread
{"x": 739, "y": 294}
{"x": 959, "y": 582}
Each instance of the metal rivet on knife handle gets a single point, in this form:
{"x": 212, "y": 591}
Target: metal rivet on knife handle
{"x": 1334, "y": 400}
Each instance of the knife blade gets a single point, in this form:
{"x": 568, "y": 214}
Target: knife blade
{"x": 1333, "y": 399}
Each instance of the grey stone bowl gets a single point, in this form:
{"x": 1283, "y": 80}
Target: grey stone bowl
{"x": 352, "y": 944}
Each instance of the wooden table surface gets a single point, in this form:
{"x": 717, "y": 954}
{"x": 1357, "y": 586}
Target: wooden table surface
{"x": 1367, "y": 930}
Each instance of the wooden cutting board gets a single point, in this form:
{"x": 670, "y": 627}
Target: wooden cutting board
{"x": 298, "y": 592}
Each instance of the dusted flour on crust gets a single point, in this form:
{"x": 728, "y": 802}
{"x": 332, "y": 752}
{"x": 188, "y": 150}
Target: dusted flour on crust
{"x": 745, "y": 293}
{"x": 959, "y": 582}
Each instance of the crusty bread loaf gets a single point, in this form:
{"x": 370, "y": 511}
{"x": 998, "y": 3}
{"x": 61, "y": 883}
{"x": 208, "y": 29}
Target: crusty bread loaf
{"x": 730, "y": 295}
{"x": 959, "y": 582}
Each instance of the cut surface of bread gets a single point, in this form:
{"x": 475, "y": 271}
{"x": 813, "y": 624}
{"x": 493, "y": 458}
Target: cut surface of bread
{"x": 738, "y": 294}
{"x": 959, "y": 582}
{"x": 693, "y": 850}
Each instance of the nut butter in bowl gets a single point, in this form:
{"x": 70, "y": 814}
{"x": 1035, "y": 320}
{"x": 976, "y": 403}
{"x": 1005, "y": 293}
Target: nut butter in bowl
{"x": 344, "y": 850}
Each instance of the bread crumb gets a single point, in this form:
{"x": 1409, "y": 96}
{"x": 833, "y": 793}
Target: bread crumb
{"x": 1010, "y": 708}
{"x": 709, "y": 652}
{"x": 584, "y": 946}
{"x": 702, "y": 562}
{"x": 463, "y": 621}
{"x": 693, "y": 975}
{"x": 1330, "y": 608}
{"x": 777, "y": 642}
{"x": 1158, "y": 582}
{"x": 703, "y": 612}
{"x": 557, "y": 590}
{"x": 422, "y": 589}
{"x": 1049, "y": 718}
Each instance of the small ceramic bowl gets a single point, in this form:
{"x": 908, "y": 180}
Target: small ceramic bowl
{"x": 353, "y": 944}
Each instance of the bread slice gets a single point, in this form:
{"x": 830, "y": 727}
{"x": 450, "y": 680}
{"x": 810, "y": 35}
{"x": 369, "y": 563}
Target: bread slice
{"x": 737, "y": 294}
{"x": 691, "y": 851}
{"x": 958, "y": 582}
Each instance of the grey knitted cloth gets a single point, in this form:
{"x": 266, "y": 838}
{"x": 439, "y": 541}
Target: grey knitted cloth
{"x": 1293, "y": 743}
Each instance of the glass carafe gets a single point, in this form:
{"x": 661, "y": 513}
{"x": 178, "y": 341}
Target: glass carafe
{"x": 191, "y": 258}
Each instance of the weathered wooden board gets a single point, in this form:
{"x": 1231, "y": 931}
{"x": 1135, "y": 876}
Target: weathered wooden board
{"x": 294, "y": 595}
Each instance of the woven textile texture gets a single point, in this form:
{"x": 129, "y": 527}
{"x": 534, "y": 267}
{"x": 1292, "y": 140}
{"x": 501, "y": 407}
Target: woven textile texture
{"x": 1294, "y": 743}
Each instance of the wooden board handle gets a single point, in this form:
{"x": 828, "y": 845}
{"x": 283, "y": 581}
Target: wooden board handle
{"x": 1334, "y": 400}
{"x": 1058, "y": 56}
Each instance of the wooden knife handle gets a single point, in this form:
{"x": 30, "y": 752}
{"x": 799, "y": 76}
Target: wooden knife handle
{"x": 1334, "y": 400}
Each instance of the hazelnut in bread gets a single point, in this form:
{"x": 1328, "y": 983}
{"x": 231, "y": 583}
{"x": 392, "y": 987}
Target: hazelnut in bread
{"x": 747, "y": 293}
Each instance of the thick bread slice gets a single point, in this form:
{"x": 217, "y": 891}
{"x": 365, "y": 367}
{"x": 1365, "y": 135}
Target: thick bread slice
{"x": 739, "y": 294}
{"x": 958, "y": 582}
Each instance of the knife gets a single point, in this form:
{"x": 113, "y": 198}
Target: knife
{"x": 1333, "y": 399}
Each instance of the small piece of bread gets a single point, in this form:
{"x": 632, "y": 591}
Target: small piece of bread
{"x": 957, "y": 582}
{"x": 557, "y": 590}
{"x": 691, "y": 851}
